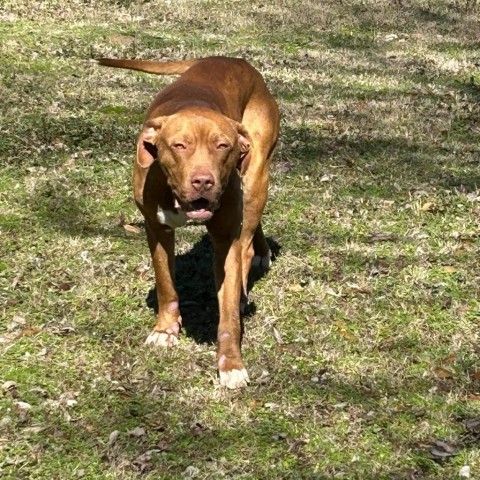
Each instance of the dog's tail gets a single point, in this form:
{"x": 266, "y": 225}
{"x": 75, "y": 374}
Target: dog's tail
{"x": 159, "y": 68}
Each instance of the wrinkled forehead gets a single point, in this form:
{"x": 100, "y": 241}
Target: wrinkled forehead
{"x": 197, "y": 127}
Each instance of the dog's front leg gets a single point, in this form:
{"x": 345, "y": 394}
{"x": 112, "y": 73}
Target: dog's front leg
{"x": 161, "y": 243}
{"x": 225, "y": 232}
{"x": 228, "y": 278}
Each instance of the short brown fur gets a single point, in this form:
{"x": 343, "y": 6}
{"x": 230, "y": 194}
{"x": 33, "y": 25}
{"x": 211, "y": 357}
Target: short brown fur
{"x": 217, "y": 116}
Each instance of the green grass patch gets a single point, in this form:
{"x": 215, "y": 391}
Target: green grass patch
{"x": 362, "y": 339}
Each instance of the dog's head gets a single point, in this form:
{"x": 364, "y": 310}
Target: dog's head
{"x": 197, "y": 150}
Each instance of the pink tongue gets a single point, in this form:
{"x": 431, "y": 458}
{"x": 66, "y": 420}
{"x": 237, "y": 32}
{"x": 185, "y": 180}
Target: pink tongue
{"x": 201, "y": 214}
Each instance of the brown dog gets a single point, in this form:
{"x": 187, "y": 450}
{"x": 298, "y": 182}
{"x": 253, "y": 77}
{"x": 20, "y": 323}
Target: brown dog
{"x": 203, "y": 154}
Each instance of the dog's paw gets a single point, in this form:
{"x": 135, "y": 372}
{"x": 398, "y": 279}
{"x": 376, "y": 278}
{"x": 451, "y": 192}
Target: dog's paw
{"x": 162, "y": 339}
{"x": 262, "y": 262}
{"x": 234, "y": 378}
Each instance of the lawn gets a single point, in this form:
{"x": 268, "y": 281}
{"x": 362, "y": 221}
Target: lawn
{"x": 362, "y": 341}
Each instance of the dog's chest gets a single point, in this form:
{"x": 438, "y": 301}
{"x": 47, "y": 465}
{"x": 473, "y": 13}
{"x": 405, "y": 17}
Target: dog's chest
{"x": 172, "y": 218}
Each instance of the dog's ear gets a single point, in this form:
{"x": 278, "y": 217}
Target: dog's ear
{"x": 147, "y": 142}
{"x": 245, "y": 144}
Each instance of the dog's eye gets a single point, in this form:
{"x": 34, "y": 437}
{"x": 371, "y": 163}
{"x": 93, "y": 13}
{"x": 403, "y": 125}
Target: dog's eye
{"x": 223, "y": 146}
{"x": 179, "y": 146}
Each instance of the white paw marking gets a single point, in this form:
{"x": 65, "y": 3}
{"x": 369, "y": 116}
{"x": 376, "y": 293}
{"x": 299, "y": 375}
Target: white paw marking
{"x": 173, "y": 219}
{"x": 161, "y": 339}
{"x": 263, "y": 262}
{"x": 234, "y": 378}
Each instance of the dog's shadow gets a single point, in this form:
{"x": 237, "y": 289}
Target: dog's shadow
{"x": 196, "y": 289}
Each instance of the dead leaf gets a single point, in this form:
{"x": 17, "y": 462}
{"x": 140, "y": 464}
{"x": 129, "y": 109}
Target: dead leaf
{"x": 282, "y": 167}
{"x": 449, "y": 269}
{"x": 39, "y": 392}
{"x": 131, "y": 229}
{"x": 190, "y": 472}
{"x": 142, "y": 461}
{"x": 9, "y": 337}
{"x": 17, "y": 321}
{"x": 197, "y": 429}
{"x": 390, "y": 37}
{"x": 450, "y": 359}
{"x": 363, "y": 289}
{"x": 34, "y": 429}
{"x": 441, "y": 449}
{"x": 16, "y": 280}
{"x": 137, "y": 432}
{"x": 436, "y": 453}
{"x": 473, "y": 424}
{"x": 428, "y": 207}
{"x": 163, "y": 444}
{"x": 382, "y": 237}
{"x": 66, "y": 330}
{"x": 332, "y": 292}
{"x": 65, "y": 286}
{"x": 444, "y": 446}
{"x": 263, "y": 378}
{"x": 475, "y": 375}
{"x": 112, "y": 438}
{"x": 296, "y": 445}
{"x": 121, "y": 220}
{"x": 349, "y": 336}
{"x": 5, "y": 421}
{"x": 441, "y": 372}
{"x": 10, "y": 385}
{"x": 122, "y": 39}
{"x": 343, "y": 331}
{"x": 278, "y": 337}
{"x": 296, "y": 288}
{"x": 23, "y": 406}
{"x": 28, "y": 332}
{"x": 472, "y": 398}
{"x": 410, "y": 474}
{"x": 278, "y": 436}
{"x": 84, "y": 153}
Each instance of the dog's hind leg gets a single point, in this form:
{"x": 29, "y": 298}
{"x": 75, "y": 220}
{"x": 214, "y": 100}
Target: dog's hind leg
{"x": 261, "y": 120}
{"x": 261, "y": 250}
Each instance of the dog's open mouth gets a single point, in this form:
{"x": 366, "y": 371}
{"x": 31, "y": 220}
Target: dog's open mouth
{"x": 200, "y": 209}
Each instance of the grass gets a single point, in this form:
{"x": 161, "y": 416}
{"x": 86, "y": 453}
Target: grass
{"x": 362, "y": 341}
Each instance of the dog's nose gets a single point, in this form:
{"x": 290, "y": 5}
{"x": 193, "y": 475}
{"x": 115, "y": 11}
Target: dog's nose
{"x": 202, "y": 181}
